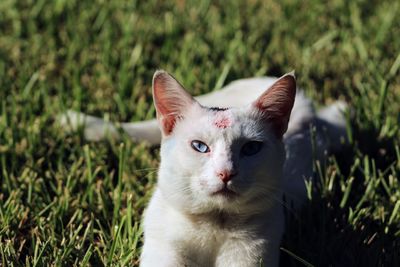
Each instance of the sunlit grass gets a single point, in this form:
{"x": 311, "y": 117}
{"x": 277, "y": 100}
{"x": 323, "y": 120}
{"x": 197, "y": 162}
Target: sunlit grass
{"x": 65, "y": 201}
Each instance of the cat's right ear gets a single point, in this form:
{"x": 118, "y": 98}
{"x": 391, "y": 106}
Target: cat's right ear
{"x": 170, "y": 99}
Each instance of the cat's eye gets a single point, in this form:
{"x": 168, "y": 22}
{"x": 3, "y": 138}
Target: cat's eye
{"x": 251, "y": 148}
{"x": 200, "y": 146}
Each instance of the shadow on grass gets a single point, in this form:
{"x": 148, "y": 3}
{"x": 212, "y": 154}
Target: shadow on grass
{"x": 358, "y": 232}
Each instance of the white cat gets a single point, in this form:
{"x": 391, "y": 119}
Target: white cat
{"x": 224, "y": 170}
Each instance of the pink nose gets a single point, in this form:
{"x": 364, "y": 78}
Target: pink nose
{"x": 226, "y": 175}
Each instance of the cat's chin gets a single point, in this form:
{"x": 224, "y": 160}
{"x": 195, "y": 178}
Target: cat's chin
{"x": 225, "y": 192}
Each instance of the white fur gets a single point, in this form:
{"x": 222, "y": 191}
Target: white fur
{"x": 184, "y": 225}
{"x": 198, "y": 229}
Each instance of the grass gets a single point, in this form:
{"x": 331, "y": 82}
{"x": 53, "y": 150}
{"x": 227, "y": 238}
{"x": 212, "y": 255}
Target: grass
{"x": 68, "y": 202}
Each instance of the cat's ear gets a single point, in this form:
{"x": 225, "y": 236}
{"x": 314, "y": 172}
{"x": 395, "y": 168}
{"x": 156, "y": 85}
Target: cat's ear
{"x": 276, "y": 103}
{"x": 170, "y": 99}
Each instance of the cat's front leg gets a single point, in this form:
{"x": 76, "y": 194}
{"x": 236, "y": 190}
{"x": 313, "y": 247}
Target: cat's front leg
{"x": 253, "y": 248}
{"x": 249, "y": 254}
{"x": 157, "y": 254}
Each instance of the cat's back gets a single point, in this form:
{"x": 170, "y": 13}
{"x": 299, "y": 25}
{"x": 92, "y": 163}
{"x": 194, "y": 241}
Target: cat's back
{"x": 237, "y": 93}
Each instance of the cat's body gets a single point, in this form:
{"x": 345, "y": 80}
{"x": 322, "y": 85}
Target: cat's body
{"x": 223, "y": 172}
{"x": 175, "y": 238}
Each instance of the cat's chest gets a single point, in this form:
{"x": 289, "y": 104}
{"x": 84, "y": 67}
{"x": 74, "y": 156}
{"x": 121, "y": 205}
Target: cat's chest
{"x": 205, "y": 232}
{"x": 204, "y": 239}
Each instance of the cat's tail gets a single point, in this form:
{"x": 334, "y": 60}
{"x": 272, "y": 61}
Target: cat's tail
{"x": 96, "y": 129}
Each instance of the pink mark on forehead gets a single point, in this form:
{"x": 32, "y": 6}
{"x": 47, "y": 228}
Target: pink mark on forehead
{"x": 223, "y": 121}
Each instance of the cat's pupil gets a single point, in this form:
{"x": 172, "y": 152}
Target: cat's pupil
{"x": 251, "y": 148}
{"x": 200, "y": 146}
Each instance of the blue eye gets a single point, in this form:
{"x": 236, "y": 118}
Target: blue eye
{"x": 200, "y": 146}
{"x": 251, "y": 148}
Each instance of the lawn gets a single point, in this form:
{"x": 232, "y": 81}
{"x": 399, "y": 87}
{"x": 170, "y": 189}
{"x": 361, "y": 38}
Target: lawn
{"x": 65, "y": 201}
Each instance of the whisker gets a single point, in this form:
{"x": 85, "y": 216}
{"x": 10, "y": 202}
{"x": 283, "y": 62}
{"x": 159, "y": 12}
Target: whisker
{"x": 279, "y": 189}
{"x": 269, "y": 194}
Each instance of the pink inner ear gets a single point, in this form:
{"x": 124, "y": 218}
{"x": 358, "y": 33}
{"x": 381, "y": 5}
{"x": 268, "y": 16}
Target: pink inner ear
{"x": 166, "y": 109}
{"x": 170, "y": 100}
{"x": 163, "y": 105}
{"x": 277, "y": 103}
{"x": 168, "y": 124}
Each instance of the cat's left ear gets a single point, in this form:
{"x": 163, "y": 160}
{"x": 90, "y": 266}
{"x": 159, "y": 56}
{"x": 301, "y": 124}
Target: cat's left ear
{"x": 276, "y": 103}
{"x": 170, "y": 99}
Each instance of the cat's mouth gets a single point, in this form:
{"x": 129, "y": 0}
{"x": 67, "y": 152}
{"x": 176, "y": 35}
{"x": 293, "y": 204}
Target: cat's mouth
{"x": 225, "y": 192}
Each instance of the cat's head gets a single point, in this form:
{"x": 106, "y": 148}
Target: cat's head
{"x": 221, "y": 159}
